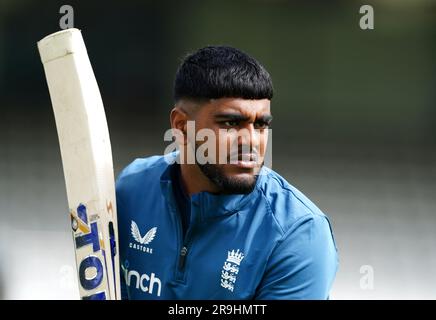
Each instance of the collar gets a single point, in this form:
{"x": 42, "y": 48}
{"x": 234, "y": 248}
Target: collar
{"x": 210, "y": 205}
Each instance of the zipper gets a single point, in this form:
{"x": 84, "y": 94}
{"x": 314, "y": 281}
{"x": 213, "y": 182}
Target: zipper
{"x": 184, "y": 239}
{"x": 186, "y": 244}
{"x": 182, "y": 257}
{"x": 175, "y": 215}
{"x": 182, "y": 248}
{"x": 183, "y": 253}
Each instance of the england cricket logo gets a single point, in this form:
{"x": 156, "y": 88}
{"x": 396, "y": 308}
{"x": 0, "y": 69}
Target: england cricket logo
{"x": 231, "y": 269}
{"x": 142, "y": 241}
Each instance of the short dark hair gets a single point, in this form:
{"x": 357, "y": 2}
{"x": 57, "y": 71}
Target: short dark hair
{"x": 215, "y": 72}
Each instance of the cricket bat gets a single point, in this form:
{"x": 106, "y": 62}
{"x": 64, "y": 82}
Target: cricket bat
{"x": 87, "y": 162}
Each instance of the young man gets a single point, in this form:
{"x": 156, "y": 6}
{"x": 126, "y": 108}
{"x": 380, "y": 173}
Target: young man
{"x": 224, "y": 226}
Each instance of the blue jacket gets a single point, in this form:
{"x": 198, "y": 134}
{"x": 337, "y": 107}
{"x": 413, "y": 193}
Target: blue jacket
{"x": 272, "y": 243}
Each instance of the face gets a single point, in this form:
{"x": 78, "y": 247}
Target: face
{"x": 241, "y": 130}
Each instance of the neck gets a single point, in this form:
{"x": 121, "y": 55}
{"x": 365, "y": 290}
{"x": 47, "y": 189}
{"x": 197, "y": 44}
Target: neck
{"x": 194, "y": 181}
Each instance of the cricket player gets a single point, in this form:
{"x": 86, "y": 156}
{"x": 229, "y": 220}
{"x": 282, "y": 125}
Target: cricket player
{"x": 223, "y": 225}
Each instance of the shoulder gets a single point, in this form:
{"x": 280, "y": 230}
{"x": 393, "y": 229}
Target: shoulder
{"x": 142, "y": 171}
{"x": 304, "y": 260}
{"x": 289, "y": 206}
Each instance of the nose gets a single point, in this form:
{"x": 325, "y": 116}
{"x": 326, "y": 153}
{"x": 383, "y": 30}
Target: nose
{"x": 249, "y": 136}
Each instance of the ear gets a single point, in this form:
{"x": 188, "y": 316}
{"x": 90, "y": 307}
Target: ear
{"x": 178, "y": 120}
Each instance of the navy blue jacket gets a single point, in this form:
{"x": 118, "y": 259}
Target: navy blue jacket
{"x": 272, "y": 243}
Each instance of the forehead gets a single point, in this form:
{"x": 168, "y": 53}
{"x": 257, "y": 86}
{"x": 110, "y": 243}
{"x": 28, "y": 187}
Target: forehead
{"x": 238, "y": 105}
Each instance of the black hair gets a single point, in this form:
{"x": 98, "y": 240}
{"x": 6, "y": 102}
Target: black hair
{"x": 217, "y": 72}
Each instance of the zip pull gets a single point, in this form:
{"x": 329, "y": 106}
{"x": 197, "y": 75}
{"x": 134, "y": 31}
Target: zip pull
{"x": 183, "y": 254}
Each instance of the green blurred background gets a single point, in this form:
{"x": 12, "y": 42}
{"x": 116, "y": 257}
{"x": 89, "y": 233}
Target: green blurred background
{"x": 354, "y": 123}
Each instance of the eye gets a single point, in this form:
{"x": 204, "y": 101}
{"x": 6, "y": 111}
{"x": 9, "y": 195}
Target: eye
{"x": 261, "y": 125}
{"x": 231, "y": 123}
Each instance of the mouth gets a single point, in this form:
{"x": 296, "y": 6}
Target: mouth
{"x": 245, "y": 161}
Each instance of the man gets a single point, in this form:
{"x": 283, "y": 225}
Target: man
{"x": 214, "y": 229}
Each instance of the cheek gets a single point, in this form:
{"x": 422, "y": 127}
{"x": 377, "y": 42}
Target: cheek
{"x": 226, "y": 140}
{"x": 263, "y": 141}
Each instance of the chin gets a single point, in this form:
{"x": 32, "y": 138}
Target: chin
{"x": 242, "y": 177}
{"x": 243, "y": 182}
{"x": 232, "y": 170}
{"x": 231, "y": 179}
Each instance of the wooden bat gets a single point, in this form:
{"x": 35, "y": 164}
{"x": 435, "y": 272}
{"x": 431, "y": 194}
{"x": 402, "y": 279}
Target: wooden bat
{"x": 87, "y": 162}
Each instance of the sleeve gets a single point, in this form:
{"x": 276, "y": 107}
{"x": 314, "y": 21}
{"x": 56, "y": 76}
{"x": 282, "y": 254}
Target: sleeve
{"x": 303, "y": 265}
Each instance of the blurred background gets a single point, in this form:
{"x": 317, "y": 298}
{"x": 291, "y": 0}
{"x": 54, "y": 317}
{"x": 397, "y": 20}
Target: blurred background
{"x": 354, "y": 124}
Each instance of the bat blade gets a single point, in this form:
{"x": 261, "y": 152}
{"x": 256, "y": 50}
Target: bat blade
{"x": 87, "y": 162}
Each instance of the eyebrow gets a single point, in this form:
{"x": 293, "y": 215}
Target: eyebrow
{"x": 240, "y": 117}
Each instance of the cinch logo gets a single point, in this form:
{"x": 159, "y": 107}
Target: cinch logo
{"x": 141, "y": 241}
{"x": 144, "y": 282}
